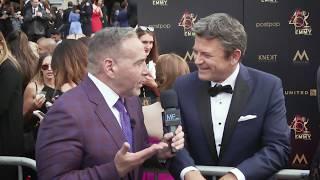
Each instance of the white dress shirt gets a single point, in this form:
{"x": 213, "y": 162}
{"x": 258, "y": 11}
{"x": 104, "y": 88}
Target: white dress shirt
{"x": 108, "y": 94}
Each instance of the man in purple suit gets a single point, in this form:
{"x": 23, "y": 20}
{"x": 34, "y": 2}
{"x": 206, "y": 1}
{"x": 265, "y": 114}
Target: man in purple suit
{"x": 96, "y": 130}
{"x": 232, "y": 115}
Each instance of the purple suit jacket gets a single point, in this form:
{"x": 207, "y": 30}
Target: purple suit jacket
{"x": 79, "y": 137}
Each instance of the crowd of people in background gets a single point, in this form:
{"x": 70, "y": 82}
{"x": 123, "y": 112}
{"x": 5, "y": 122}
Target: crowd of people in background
{"x": 38, "y": 18}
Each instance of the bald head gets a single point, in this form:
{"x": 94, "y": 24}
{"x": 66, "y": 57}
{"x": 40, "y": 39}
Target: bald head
{"x": 46, "y": 45}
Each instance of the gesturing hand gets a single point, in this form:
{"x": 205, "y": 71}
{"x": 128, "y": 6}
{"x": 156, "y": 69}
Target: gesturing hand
{"x": 126, "y": 161}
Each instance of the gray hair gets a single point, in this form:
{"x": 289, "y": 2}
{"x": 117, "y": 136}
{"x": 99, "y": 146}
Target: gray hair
{"x": 107, "y": 43}
{"x": 225, "y": 28}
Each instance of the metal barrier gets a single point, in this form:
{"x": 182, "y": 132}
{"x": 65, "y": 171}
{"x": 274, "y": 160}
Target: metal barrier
{"x": 283, "y": 174}
{"x": 18, "y": 161}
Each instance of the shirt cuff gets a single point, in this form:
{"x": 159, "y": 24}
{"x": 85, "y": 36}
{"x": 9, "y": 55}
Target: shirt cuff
{"x": 238, "y": 174}
{"x": 185, "y": 170}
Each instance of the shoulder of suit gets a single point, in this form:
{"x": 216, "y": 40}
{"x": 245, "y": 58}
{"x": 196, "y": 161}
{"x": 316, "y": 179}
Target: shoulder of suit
{"x": 255, "y": 73}
{"x": 188, "y": 79}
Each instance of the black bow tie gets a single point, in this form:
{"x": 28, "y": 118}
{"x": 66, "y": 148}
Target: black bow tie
{"x": 218, "y": 88}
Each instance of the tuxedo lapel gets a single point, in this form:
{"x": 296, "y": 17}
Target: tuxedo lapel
{"x": 238, "y": 102}
{"x": 103, "y": 112}
{"x": 204, "y": 110}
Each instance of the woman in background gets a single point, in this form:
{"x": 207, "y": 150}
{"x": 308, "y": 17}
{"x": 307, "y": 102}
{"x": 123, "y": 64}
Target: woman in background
{"x": 96, "y": 15}
{"x": 69, "y": 64}
{"x": 168, "y": 68}
{"x": 11, "y": 120}
{"x": 40, "y": 92}
{"x": 149, "y": 91}
{"x": 74, "y": 20}
{"x": 19, "y": 46}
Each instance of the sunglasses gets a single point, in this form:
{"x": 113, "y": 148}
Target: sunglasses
{"x": 45, "y": 66}
{"x": 146, "y": 28}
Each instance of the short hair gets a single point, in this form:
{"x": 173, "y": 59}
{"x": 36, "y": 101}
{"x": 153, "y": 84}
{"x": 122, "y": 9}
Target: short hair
{"x": 107, "y": 43}
{"x": 168, "y": 68}
{"x": 69, "y": 62}
{"x": 228, "y": 30}
{"x": 70, "y": 4}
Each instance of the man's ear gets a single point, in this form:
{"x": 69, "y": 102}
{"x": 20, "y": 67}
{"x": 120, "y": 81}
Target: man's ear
{"x": 109, "y": 67}
{"x": 235, "y": 56}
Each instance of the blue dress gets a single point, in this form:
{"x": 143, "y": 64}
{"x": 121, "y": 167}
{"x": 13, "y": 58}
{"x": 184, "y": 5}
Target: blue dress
{"x": 75, "y": 25}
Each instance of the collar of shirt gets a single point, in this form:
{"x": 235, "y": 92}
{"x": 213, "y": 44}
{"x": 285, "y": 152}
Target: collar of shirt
{"x": 108, "y": 94}
{"x": 231, "y": 80}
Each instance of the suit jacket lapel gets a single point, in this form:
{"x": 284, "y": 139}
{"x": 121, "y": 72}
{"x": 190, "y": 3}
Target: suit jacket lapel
{"x": 239, "y": 100}
{"x": 204, "y": 110}
{"x": 103, "y": 112}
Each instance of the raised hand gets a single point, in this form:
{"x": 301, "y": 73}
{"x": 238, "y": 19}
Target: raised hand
{"x": 125, "y": 161}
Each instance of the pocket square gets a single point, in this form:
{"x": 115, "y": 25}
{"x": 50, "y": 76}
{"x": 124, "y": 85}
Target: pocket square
{"x": 246, "y": 118}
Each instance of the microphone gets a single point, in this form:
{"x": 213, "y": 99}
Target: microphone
{"x": 171, "y": 117}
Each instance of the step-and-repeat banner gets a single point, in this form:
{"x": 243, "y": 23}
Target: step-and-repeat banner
{"x": 282, "y": 38}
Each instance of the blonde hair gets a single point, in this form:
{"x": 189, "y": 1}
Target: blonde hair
{"x": 6, "y": 55}
{"x": 168, "y": 68}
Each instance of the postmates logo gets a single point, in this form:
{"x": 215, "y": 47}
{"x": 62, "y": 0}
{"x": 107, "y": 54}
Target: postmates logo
{"x": 299, "y": 20}
{"x": 300, "y": 127}
{"x": 187, "y": 21}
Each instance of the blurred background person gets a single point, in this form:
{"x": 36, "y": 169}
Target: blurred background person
{"x": 123, "y": 15}
{"x": 38, "y": 96}
{"x": 104, "y": 9}
{"x": 36, "y": 20}
{"x": 168, "y": 68}
{"x": 40, "y": 90}
{"x": 69, "y": 64}
{"x": 97, "y": 14}
{"x": 11, "y": 121}
{"x": 132, "y": 12}
{"x": 18, "y": 44}
{"x": 85, "y": 16}
{"x": 56, "y": 35}
{"x": 114, "y": 14}
{"x": 74, "y": 20}
{"x": 149, "y": 91}
{"x": 65, "y": 19}
{"x": 46, "y": 46}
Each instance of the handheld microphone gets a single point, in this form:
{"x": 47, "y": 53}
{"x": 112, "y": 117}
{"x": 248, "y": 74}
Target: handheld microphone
{"x": 171, "y": 117}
